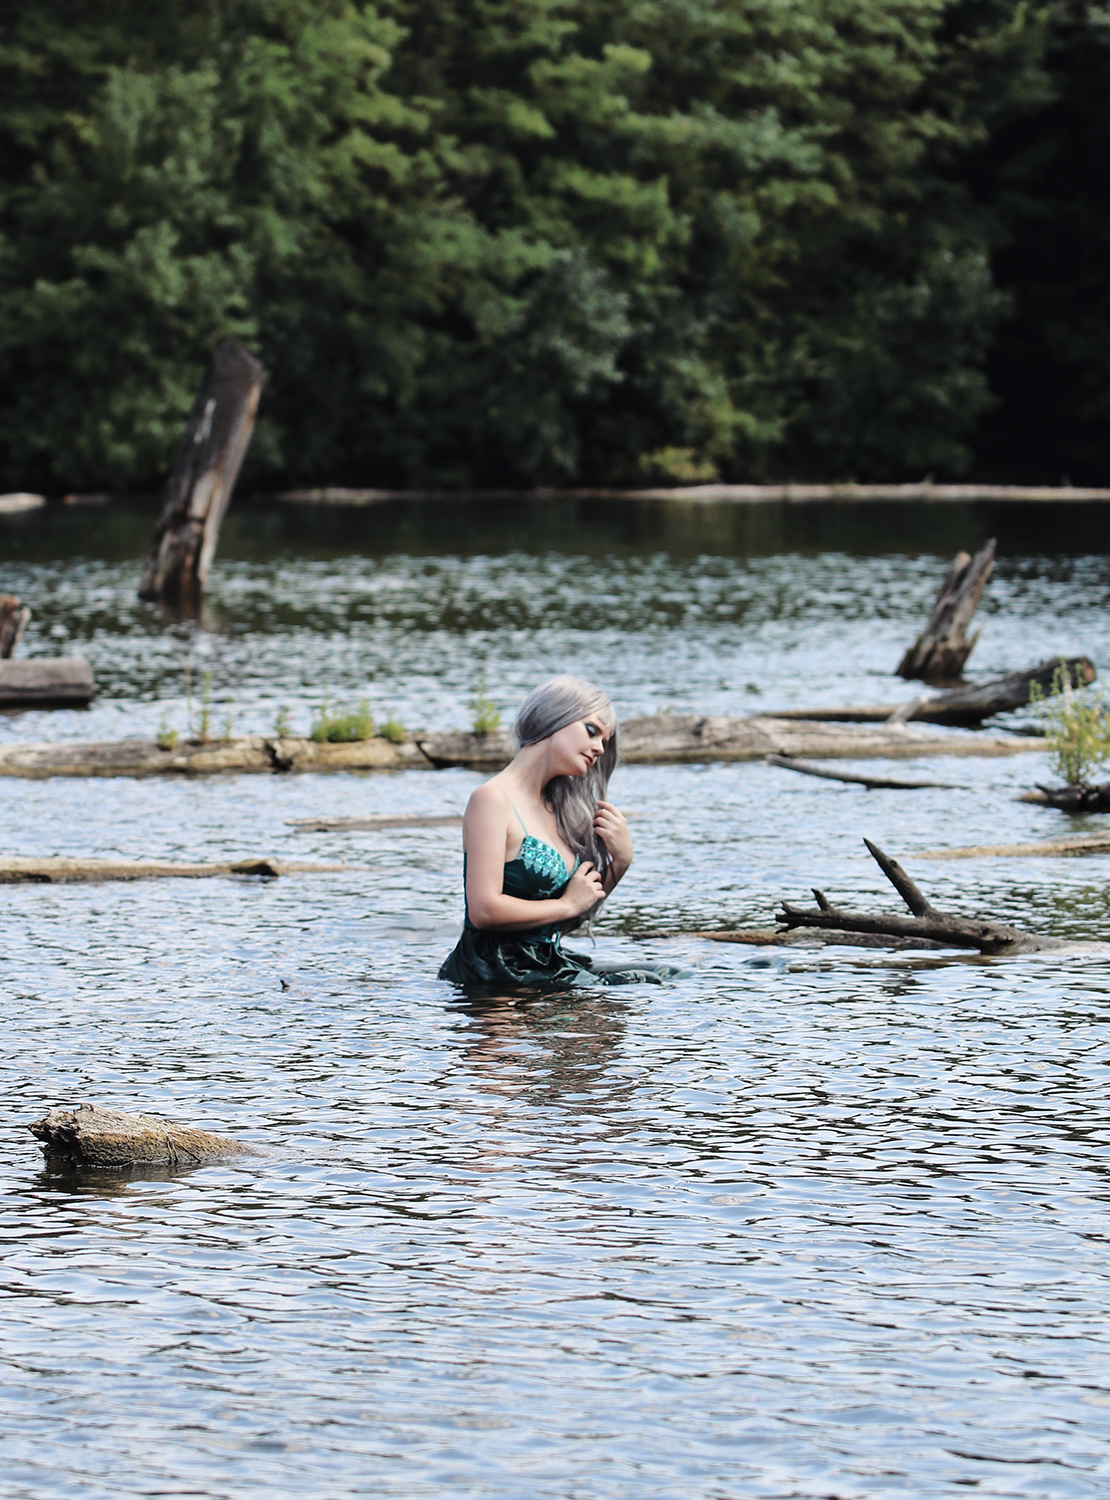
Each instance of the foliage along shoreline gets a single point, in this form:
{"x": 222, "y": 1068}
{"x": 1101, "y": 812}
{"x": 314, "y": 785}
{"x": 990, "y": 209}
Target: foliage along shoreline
{"x": 511, "y": 243}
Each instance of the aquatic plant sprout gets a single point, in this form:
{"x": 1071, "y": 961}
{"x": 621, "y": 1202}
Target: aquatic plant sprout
{"x": 1076, "y": 724}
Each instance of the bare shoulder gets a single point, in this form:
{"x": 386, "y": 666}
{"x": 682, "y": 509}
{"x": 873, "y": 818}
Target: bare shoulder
{"x": 487, "y": 801}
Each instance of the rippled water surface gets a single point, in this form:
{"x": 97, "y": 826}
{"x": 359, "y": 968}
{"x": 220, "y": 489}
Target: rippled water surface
{"x": 808, "y": 1223}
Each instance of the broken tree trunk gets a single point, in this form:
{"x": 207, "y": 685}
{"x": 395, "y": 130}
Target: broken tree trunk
{"x": 110, "y": 1138}
{"x": 925, "y": 922}
{"x": 203, "y": 478}
{"x": 939, "y": 653}
{"x": 872, "y": 783}
{"x": 13, "y": 618}
{"x": 46, "y": 682}
{"x": 22, "y": 869}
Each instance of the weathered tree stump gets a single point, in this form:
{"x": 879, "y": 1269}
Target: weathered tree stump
{"x": 13, "y": 619}
{"x": 939, "y": 653}
{"x": 110, "y": 1138}
{"x": 46, "y": 682}
{"x": 199, "y": 489}
{"x": 925, "y": 921}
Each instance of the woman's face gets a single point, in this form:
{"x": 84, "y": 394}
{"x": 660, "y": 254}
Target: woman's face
{"x": 577, "y": 746}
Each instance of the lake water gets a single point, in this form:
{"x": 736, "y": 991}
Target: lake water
{"x": 808, "y": 1223}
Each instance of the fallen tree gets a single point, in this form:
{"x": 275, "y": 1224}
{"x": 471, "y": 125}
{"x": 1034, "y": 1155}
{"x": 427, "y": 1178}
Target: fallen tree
{"x": 960, "y": 707}
{"x": 872, "y": 783}
{"x": 46, "y": 682}
{"x": 250, "y": 753}
{"x": 97, "y": 1137}
{"x": 375, "y": 821}
{"x": 18, "y": 869}
{"x": 925, "y": 920}
{"x": 1080, "y": 797}
{"x": 1067, "y": 848}
{"x": 940, "y": 651}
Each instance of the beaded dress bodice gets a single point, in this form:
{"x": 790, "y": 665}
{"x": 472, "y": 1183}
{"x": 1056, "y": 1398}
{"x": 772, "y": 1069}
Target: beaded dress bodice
{"x": 538, "y": 873}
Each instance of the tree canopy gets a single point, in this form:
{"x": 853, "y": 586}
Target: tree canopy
{"x": 543, "y": 241}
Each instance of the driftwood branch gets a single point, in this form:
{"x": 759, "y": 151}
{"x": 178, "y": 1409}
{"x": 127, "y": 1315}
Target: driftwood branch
{"x": 199, "y": 489}
{"x": 1083, "y": 797}
{"x": 940, "y": 651}
{"x": 1066, "y": 848}
{"x": 961, "y": 707}
{"x": 375, "y": 821}
{"x": 925, "y": 921}
{"x": 22, "y": 869}
{"x": 98, "y": 1137}
{"x": 872, "y": 783}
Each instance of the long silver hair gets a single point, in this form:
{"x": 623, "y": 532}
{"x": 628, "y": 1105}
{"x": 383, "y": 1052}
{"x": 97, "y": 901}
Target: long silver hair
{"x": 573, "y": 799}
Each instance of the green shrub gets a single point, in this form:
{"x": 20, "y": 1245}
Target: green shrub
{"x": 338, "y": 728}
{"x": 1076, "y": 726}
{"x": 486, "y": 716}
{"x": 393, "y": 730}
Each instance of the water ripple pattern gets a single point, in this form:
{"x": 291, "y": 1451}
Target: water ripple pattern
{"x": 809, "y": 1223}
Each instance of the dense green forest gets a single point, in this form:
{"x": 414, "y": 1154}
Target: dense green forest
{"x": 543, "y": 241}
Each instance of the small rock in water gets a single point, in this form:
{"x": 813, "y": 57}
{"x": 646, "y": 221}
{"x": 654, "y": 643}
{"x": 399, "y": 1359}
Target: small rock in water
{"x": 111, "y": 1138}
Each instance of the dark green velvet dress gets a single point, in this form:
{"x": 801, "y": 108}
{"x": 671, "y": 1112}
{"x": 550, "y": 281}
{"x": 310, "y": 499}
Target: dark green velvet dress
{"x": 487, "y": 961}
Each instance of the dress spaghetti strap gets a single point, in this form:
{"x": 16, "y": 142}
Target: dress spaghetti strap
{"x": 519, "y": 819}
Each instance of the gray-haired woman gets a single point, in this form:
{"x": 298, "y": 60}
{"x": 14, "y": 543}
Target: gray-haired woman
{"x": 542, "y": 848}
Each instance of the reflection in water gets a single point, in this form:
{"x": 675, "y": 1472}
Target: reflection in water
{"x": 71, "y": 1178}
{"x": 550, "y": 1050}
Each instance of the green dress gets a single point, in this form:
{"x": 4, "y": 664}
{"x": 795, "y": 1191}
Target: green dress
{"x": 485, "y": 960}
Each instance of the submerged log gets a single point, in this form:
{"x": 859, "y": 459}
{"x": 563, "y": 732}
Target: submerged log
{"x": 961, "y": 708}
{"x": 253, "y": 752}
{"x": 940, "y": 651}
{"x": 46, "y": 682}
{"x": 1082, "y": 797}
{"x": 375, "y": 821}
{"x": 98, "y": 1137}
{"x": 675, "y": 739}
{"x": 13, "y": 621}
{"x": 18, "y": 869}
{"x": 1065, "y": 848}
{"x": 199, "y": 489}
{"x": 872, "y": 783}
{"x": 925, "y": 922}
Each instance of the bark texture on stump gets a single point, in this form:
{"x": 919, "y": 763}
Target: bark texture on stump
{"x": 939, "y": 653}
{"x": 13, "y": 618}
{"x": 111, "y": 1138}
{"x": 199, "y": 489}
{"x": 46, "y": 682}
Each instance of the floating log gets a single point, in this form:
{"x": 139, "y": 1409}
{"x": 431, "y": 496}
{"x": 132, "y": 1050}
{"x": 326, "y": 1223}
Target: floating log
{"x": 1083, "y": 797}
{"x": 97, "y": 1137}
{"x": 806, "y": 768}
{"x": 940, "y": 651}
{"x": 375, "y": 821}
{"x": 46, "y": 682}
{"x": 1072, "y": 847}
{"x": 15, "y": 504}
{"x": 199, "y": 489}
{"x": 673, "y": 739}
{"x": 18, "y": 869}
{"x": 960, "y": 708}
{"x": 256, "y": 753}
{"x": 734, "y": 494}
{"x": 925, "y": 922}
{"x": 774, "y": 937}
{"x": 13, "y": 620}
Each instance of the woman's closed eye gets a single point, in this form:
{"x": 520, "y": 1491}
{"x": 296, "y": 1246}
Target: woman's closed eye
{"x": 593, "y": 730}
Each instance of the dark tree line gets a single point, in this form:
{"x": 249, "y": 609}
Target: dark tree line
{"x": 546, "y": 241}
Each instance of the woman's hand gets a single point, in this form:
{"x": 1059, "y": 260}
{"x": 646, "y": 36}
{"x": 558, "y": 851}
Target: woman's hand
{"x": 612, "y": 830}
{"x": 583, "y": 891}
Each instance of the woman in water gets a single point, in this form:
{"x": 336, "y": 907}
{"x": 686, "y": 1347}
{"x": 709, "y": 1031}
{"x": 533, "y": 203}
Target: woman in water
{"x": 542, "y": 848}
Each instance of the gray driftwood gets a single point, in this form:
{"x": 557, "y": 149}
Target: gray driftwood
{"x": 872, "y": 783}
{"x": 940, "y": 651}
{"x": 960, "y": 707}
{"x": 46, "y": 682}
{"x": 98, "y": 1137}
{"x": 374, "y": 821}
{"x": 674, "y": 739}
{"x": 18, "y": 869}
{"x": 199, "y": 489}
{"x": 1069, "y": 847}
{"x": 925, "y": 920}
{"x": 13, "y": 620}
